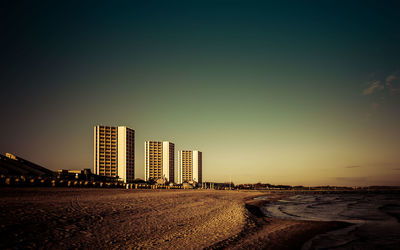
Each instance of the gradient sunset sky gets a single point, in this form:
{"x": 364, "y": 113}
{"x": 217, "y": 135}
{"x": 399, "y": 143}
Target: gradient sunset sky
{"x": 283, "y": 93}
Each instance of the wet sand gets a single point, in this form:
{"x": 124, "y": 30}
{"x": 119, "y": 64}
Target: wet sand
{"x": 64, "y": 218}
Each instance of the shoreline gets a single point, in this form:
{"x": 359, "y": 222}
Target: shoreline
{"x": 263, "y": 232}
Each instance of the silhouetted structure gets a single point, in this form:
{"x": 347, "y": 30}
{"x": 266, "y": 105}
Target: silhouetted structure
{"x": 11, "y": 165}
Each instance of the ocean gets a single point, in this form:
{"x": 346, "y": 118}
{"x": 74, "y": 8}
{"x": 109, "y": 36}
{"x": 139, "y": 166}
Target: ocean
{"x": 375, "y": 219}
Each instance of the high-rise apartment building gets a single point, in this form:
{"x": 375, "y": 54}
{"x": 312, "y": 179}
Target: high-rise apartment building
{"x": 190, "y": 166}
{"x": 114, "y": 152}
{"x": 159, "y": 160}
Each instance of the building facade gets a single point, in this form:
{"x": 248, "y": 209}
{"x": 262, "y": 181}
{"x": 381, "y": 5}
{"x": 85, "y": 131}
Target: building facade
{"x": 114, "y": 152}
{"x": 190, "y": 166}
{"x": 159, "y": 160}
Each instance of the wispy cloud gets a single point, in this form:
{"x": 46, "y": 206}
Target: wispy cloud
{"x": 382, "y": 91}
{"x": 391, "y": 78}
{"x": 383, "y": 164}
{"x": 373, "y": 86}
{"x": 393, "y": 83}
{"x": 355, "y": 166}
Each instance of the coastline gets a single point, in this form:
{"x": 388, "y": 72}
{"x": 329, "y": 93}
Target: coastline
{"x": 65, "y": 218}
{"x": 262, "y": 232}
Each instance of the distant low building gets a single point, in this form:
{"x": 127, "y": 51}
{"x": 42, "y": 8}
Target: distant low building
{"x": 187, "y": 185}
{"x": 85, "y": 174}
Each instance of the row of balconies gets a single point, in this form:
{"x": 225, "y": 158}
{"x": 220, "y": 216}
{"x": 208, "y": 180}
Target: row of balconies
{"x": 107, "y": 130}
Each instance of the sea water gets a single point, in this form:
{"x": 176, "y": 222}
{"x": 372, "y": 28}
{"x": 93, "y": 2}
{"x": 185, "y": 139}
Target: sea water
{"x": 375, "y": 219}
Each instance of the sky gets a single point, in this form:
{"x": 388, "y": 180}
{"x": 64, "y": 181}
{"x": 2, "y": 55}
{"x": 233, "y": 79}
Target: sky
{"x": 283, "y": 92}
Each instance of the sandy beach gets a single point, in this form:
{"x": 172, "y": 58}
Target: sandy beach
{"x": 109, "y": 218}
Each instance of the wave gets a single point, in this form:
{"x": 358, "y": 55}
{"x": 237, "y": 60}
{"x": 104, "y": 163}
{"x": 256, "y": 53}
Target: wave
{"x": 376, "y": 219}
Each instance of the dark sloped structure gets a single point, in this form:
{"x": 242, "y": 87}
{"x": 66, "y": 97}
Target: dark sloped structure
{"x": 11, "y": 165}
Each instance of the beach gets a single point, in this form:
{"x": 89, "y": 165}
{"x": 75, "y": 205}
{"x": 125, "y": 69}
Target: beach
{"x": 65, "y": 218}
